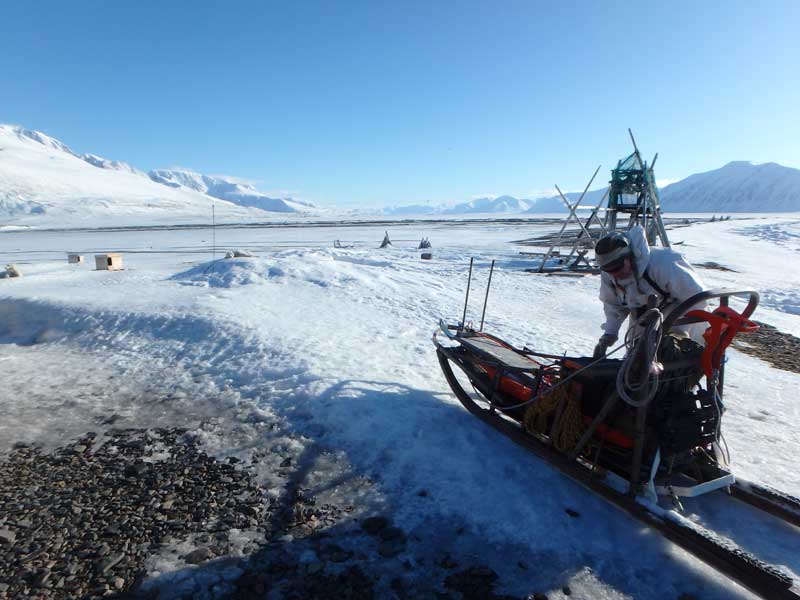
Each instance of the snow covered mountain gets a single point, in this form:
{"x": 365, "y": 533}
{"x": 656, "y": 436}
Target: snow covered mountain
{"x": 554, "y": 204}
{"x": 501, "y": 204}
{"x": 413, "y": 209}
{"x": 226, "y": 188}
{"x": 739, "y": 186}
{"x": 44, "y": 183}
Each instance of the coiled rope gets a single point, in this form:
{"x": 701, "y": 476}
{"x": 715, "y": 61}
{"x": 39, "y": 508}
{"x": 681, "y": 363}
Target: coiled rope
{"x": 637, "y": 379}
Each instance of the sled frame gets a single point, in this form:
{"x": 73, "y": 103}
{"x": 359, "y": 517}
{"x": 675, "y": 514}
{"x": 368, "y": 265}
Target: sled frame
{"x": 523, "y": 362}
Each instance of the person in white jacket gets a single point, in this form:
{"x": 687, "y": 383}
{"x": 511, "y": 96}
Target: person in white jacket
{"x": 631, "y": 273}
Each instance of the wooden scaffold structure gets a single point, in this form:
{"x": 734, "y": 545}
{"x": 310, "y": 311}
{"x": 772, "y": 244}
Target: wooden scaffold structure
{"x": 630, "y": 199}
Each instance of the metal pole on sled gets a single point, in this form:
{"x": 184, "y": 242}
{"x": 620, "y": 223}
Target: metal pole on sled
{"x": 466, "y": 298}
{"x": 486, "y": 298}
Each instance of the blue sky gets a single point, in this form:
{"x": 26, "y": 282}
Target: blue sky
{"x": 373, "y": 103}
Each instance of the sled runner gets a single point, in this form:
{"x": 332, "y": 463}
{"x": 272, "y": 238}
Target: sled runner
{"x": 642, "y": 431}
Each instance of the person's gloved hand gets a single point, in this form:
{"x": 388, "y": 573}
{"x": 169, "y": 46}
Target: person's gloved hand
{"x": 606, "y": 341}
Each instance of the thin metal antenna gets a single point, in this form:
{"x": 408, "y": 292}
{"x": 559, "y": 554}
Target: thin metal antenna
{"x": 466, "y": 298}
{"x": 486, "y": 299}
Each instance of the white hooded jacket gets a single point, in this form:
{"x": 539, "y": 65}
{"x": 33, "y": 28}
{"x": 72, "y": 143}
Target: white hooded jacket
{"x": 665, "y": 267}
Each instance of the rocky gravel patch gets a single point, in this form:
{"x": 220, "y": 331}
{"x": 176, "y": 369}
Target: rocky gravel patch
{"x": 781, "y": 350}
{"x": 81, "y": 521}
{"x": 86, "y": 520}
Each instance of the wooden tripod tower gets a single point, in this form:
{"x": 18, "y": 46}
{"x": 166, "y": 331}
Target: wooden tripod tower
{"x": 631, "y": 199}
{"x": 632, "y": 191}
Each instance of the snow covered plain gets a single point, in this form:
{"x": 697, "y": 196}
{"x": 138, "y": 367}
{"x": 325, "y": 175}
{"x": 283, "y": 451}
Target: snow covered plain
{"x": 336, "y": 344}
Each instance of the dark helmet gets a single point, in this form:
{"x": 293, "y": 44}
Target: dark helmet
{"x": 611, "y": 250}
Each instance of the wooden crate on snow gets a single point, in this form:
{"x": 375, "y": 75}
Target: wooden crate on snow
{"x": 108, "y": 262}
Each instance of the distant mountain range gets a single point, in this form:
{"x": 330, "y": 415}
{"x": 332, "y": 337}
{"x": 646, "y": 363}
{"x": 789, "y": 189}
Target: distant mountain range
{"x": 507, "y": 204}
{"x": 44, "y": 182}
{"x": 500, "y": 204}
{"x": 739, "y": 186}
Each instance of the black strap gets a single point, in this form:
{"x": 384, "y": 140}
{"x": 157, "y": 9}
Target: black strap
{"x": 655, "y": 286}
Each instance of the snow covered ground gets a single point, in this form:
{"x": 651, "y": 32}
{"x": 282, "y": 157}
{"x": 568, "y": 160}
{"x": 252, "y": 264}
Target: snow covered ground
{"x": 336, "y": 343}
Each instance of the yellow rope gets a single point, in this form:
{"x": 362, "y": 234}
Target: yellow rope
{"x": 539, "y": 415}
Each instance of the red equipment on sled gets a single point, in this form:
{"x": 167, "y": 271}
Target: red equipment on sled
{"x": 724, "y": 323}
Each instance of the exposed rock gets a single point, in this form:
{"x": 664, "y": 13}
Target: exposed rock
{"x": 199, "y": 555}
{"x": 447, "y": 562}
{"x": 7, "y": 536}
{"x": 391, "y": 548}
{"x": 391, "y": 533}
{"x": 337, "y": 554}
{"x": 473, "y": 583}
{"x": 373, "y": 525}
